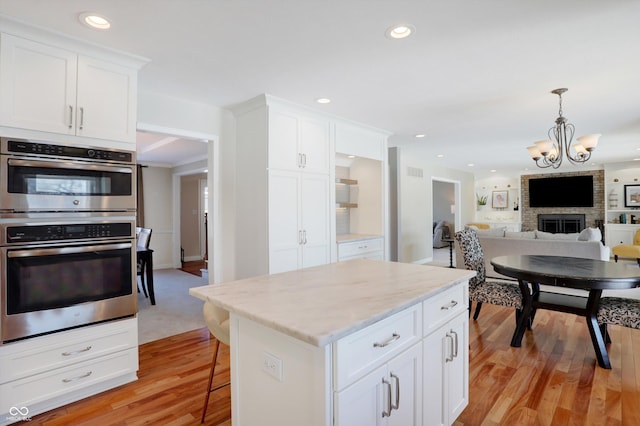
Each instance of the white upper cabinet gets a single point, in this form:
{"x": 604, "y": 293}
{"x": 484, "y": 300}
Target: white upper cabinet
{"x": 51, "y": 89}
{"x": 298, "y": 142}
{"x": 360, "y": 141}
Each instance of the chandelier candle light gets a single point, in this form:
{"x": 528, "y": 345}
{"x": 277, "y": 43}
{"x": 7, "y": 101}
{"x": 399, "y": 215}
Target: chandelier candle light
{"x": 549, "y": 153}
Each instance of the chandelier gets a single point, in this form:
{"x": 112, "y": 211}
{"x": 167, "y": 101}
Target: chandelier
{"x": 549, "y": 153}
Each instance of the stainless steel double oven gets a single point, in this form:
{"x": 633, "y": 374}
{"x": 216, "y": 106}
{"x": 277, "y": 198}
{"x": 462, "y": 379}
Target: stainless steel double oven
{"x": 67, "y": 237}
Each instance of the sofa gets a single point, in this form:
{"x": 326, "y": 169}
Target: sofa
{"x": 500, "y": 242}
{"x": 441, "y": 231}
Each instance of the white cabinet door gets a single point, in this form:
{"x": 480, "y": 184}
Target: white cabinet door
{"x": 619, "y": 234}
{"x": 457, "y": 369}
{"x": 285, "y": 232}
{"x": 446, "y": 361}
{"x": 106, "y": 100}
{"x": 37, "y": 86}
{"x": 391, "y": 395}
{"x": 315, "y": 213}
{"x": 314, "y": 145}
{"x": 405, "y": 375}
{"x": 361, "y": 404}
{"x": 283, "y": 141}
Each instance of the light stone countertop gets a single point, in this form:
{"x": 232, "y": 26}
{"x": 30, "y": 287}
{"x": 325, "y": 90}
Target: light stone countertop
{"x": 320, "y": 305}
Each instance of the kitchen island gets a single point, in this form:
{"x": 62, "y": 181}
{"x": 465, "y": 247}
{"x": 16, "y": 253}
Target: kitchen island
{"x": 361, "y": 342}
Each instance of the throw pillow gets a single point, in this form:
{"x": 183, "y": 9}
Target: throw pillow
{"x": 541, "y": 235}
{"x": 590, "y": 234}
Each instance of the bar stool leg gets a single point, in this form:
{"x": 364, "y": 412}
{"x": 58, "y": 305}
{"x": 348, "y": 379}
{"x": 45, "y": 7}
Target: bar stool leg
{"x": 209, "y": 390}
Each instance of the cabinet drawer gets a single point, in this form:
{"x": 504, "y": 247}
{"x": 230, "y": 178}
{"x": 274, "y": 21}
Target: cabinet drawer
{"x": 442, "y": 307}
{"x": 361, "y": 352}
{"x": 31, "y": 390}
{"x": 359, "y": 247}
{"x": 39, "y": 354}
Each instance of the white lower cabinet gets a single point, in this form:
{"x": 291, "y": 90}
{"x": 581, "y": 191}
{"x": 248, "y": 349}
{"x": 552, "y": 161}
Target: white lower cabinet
{"x": 390, "y": 395}
{"x": 446, "y": 364}
{"x": 43, "y": 373}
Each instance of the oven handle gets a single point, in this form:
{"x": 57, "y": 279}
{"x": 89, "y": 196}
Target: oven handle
{"x": 82, "y": 166}
{"x": 34, "y": 252}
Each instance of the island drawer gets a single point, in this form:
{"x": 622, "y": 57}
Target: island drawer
{"x": 442, "y": 307}
{"x": 363, "y": 351}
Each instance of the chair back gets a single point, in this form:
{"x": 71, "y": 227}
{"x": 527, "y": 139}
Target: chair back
{"x": 472, "y": 253}
{"x": 217, "y": 320}
{"x": 636, "y": 238}
{"x": 144, "y": 237}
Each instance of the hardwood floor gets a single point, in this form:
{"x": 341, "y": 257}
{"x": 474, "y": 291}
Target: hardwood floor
{"x": 553, "y": 379}
{"x": 193, "y": 267}
{"x": 170, "y": 389}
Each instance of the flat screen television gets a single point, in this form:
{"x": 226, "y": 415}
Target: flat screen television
{"x": 564, "y": 191}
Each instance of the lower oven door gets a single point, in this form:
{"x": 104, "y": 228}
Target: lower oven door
{"x": 52, "y": 288}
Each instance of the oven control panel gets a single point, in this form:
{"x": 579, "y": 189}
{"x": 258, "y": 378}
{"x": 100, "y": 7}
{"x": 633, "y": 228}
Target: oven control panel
{"x": 22, "y": 146}
{"x": 74, "y": 231}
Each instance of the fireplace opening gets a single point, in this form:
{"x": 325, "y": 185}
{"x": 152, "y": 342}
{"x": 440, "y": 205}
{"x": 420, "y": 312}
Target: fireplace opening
{"x": 561, "y": 223}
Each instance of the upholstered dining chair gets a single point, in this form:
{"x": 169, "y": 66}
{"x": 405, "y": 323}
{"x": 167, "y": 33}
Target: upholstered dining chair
{"x": 143, "y": 236}
{"x": 217, "y": 320}
{"x": 619, "y": 311}
{"x": 480, "y": 290}
{"x": 631, "y": 251}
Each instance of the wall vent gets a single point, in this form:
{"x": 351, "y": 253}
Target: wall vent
{"x": 414, "y": 172}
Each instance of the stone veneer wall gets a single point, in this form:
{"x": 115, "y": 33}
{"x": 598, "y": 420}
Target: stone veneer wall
{"x": 530, "y": 215}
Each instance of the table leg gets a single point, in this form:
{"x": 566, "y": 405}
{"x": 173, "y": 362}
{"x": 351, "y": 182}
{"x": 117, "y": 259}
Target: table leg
{"x": 149, "y": 271}
{"x": 523, "y": 320}
{"x": 595, "y": 331}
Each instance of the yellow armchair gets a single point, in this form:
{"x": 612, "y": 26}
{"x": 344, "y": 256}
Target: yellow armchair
{"x": 631, "y": 251}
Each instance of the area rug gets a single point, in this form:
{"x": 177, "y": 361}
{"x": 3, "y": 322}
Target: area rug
{"x": 175, "y": 310}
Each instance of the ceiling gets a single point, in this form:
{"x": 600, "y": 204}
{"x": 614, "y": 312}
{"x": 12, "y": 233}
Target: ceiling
{"x": 475, "y": 78}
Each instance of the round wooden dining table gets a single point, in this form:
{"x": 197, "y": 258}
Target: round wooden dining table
{"x": 591, "y": 275}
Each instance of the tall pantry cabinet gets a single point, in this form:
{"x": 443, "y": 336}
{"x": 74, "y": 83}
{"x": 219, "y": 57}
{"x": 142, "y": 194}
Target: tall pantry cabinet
{"x": 284, "y": 158}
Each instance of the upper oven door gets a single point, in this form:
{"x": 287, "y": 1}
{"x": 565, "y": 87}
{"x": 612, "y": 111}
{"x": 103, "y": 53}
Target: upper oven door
{"x": 33, "y": 184}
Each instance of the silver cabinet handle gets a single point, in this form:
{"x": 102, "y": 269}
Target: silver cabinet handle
{"x": 81, "y": 118}
{"x": 304, "y": 237}
{"x": 70, "y": 116}
{"x": 87, "y": 349}
{"x": 397, "y": 404}
{"x": 451, "y": 304}
{"x": 73, "y": 379}
{"x": 300, "y": 160}
{"x": 304, "y": 160}
{"x": 300, "y": 236}
{"x": 387, "y": 342}
{"x": 389, "y": 407}
{"x": 455, "y": 346}
{"x": 449, "y": 357}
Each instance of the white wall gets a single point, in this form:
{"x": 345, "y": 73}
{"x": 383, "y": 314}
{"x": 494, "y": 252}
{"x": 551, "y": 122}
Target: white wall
{"x": 415, "y": 202}
{"x": 162, "y": 112}
{"x": 158, "y": 196}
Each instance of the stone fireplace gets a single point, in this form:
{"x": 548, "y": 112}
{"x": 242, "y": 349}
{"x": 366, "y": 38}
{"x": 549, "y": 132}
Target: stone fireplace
{"x": 592, "y": 215}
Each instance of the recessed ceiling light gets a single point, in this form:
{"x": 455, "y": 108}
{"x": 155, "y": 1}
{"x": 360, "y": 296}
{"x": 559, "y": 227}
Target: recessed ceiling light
{"x": 470, "y": 164}
{"x": 420, "y": 135}
{"x": 323, "y": 100}
{"x": 351, "y": 156}
{"x": 440, "y": 155}
{"x": 400, "y": 31}
{"x": 94, "y": 20}
{"x": 493, "y": 170}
